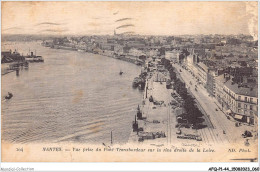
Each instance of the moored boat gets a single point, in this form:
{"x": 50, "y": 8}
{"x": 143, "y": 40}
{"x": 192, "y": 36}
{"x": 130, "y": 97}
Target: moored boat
{"x": 136, "y": 82}
{"x": 34, "y": 58}
{"x": 9, "y": 96}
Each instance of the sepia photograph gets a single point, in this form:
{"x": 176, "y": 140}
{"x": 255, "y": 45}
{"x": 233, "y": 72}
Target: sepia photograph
{"x": 133, "y": 81}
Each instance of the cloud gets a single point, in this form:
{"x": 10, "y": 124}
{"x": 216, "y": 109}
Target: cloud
{"x": 12, "y": 28}
{"x": 54, "y": 30}
{"x": 116, "y": 13}
{"x": 49, "y": 23}
{"x": 100, "y": 17}
{"x": 126, "y": 25}
{"x": 122, "y": 19}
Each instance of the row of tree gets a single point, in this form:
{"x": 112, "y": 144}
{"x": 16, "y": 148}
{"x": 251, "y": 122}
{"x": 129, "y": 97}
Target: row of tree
{"x": 193, "y": 113}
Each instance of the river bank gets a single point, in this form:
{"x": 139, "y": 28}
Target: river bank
{"x": 162, "y": 117}
{"x": 128, "y": 58}
{"x": 154, "y": 119}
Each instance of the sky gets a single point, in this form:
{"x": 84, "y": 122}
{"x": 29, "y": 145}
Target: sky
{"x": 146, "y": 18}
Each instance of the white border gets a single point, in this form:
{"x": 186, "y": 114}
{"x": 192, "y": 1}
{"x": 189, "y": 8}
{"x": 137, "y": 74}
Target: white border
{"x": 124, "y": 166}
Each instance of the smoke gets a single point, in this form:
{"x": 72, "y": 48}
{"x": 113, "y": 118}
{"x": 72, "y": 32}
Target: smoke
{"x": 124, "y": 26}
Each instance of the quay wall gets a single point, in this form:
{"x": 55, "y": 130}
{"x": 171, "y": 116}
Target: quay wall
{"x": 123, "y": 58}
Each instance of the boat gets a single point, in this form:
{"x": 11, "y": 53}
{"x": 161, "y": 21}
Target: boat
{"x": 26, "y": 64}
{"x": 9, "y": 96}
{"x": 141, "y": 85}
{"x": 33, "y": 58}
{"x": 168, "y": 84}
{"x": 136, "y": 82}
{"x": 138, "y": 63}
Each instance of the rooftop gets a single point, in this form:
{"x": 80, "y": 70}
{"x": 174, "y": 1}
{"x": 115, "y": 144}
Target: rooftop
{"x": 252, "y": 92}
{"x": 221, "y": 78}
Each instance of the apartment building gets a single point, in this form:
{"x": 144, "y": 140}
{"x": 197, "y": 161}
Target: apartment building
{"x": 241, "y": 101}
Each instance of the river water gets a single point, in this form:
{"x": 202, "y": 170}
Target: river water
{"x": 71, "y": 97}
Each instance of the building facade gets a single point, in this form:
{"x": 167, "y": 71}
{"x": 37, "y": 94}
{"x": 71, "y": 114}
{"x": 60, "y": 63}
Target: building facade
{"x": 202, "y": 73}
{"x": 211, "y": 85}
{"x": 241, "y": 101}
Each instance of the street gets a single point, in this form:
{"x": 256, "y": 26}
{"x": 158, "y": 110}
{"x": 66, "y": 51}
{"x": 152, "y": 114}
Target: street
{"x": 215, "y": 134}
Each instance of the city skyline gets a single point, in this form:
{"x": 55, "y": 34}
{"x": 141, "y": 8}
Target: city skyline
{"x": 144, "y": 18}
{"x": 103, "y": 81}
